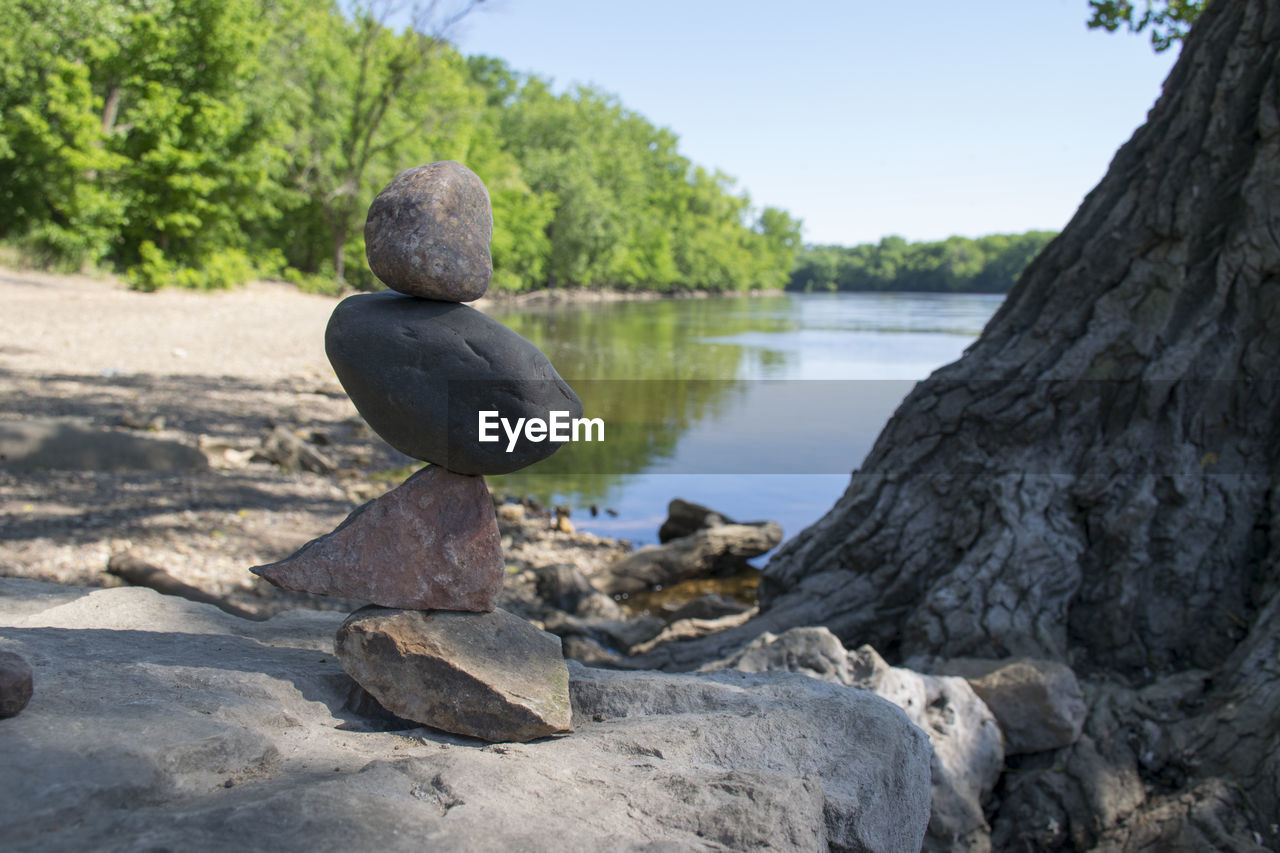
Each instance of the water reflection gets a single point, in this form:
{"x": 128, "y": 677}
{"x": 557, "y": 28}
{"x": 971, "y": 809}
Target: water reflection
{"x": 745, "y": 404}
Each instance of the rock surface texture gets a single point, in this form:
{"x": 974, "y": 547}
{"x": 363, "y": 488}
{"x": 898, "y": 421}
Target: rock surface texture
{"x": 967, "y": 751}
{"x": 420, "y": 371}
{"x": 491, "y": 676}
{"x": 1037, "y": 703}
{"x": 430, "y": 543}
{"x": 428, "y": 233}
{"x": 241, "y": 740}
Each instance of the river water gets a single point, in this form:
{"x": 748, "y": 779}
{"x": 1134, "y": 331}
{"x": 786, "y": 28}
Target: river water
{"x": 759, "y": 407}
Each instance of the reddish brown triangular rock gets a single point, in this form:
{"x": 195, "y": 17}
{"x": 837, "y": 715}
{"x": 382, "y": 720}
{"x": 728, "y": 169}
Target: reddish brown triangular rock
{"x": 431, "y": 543}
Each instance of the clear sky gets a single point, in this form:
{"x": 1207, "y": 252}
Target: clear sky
{"x": 924, "y": 118}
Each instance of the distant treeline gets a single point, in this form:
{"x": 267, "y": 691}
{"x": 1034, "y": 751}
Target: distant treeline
{"x": 202, "y": 143}
{"x": 956, "y": 265}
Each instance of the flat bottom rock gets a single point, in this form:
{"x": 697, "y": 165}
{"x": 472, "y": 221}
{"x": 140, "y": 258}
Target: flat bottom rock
{"x": 160, "y": 723}
{"x": 491, "y": 675}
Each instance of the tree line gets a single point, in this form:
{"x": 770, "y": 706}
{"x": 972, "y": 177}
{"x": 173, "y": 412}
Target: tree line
{"x": 958, "y": 264}
{"x": 203, "y": 143}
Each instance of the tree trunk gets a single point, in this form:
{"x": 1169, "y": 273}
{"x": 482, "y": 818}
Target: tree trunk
{"x": 1096, "y": 480}
{"x": 110, "y": 108}
{"x": 339, "y": 232}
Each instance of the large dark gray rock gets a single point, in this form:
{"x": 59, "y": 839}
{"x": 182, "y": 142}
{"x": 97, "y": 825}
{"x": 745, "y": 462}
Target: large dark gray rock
{"x": 165, "y": 724}
{"x": 420, "y": 371}
{"x": 491, "y": 675}
{"x": 428, "y": 233}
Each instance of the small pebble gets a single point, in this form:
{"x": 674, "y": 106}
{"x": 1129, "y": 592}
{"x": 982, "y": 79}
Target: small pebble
{"x": 16, "y": 684}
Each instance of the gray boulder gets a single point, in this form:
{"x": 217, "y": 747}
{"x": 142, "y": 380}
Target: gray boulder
{"x": 686, "y": 629}
{"x": 428, "y": 233}
{"x": 566, "y": 588}
{"x": 283, "y": 447}
{"x": 421, "y": 371}
{"x": 967, "y": 753}
{"x": 1037, "y": 703}
{"x": 815, "y": 652}
{"x": 161, "y": 723}
{"x": 616, "y": 634}
{"x": 763, "y": 720}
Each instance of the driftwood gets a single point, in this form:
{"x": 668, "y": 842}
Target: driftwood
{"x": 137, "y": 572}
{"x": 282, "y": 447}
{"x": 722, "y": 549}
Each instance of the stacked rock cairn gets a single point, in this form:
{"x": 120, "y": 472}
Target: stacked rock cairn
{"x": 433, "y": 647}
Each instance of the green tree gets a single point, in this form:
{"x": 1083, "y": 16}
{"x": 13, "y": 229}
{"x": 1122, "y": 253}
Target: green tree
{"x": 131, "y": 131}
{"x": 371, "y": 101}
{"x": 200, "y": 144}
{"x": 988, "y": 264}
{"x": 193, "y": 143}
{"x": 1168, "y": 20}
{"x": 53, "y": 161}
{"x": 778, "y": 241}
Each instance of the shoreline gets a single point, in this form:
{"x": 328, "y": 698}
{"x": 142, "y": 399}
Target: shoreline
{"x": 577, "y": 295}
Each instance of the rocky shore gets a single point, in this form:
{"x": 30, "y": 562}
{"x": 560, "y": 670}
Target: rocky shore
{"x": 162, "y": 724}
{"x": 274, "y": 455}
{"x": 216, "y": 713}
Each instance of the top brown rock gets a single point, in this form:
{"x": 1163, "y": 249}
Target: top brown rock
{"x": 428, "y": 233}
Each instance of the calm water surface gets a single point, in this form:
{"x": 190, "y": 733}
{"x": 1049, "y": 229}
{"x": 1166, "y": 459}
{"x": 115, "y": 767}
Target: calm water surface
{"x": 759, "y": 407}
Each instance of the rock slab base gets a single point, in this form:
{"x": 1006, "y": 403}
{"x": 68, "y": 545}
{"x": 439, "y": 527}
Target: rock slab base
{"x": 657, "y": 762}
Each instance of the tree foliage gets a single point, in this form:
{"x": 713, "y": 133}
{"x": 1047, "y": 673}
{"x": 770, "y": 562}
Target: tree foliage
{"x": 1167, "y": 20}
{"x": 988, "y": 264}
{"x": 201, "y": 143}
